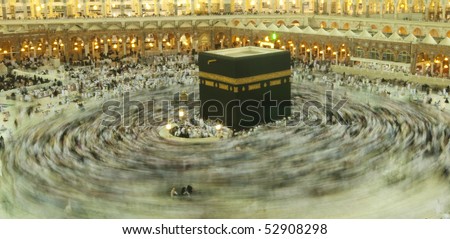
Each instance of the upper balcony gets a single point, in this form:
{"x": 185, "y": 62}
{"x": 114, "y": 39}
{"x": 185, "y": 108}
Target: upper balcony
{"x": 436, "y": 29}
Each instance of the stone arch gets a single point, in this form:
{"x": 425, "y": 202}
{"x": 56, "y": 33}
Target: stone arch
{"x": 374, "y": 53}
{"x": 402, "y": 31}
{"x": 236, "y": 40}
{"x": 346, "y": 26}
{"x": 335, "y": 25}
{"x": 151, "y": 41}
{"x": 280, "y": 22}
{"x": 185, "y": 41}
{"x": 388, "y": 55}
{"x": 204, "y": 42}
{"x": 417, "y": 32}
{"x": 387, "y": 29}
{"x": 295, "y": 23}
{"x": 434, "y": 33}
{"x": 220, "y": 40}
{"x": 169, "y": 41}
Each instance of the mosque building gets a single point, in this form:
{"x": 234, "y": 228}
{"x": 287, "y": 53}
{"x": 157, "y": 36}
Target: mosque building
{"x": 101, "y": 119}
{"x": 409, "y": 37}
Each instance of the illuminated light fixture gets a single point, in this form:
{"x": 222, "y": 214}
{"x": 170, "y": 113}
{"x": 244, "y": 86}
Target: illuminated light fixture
{"x": 133, "y": 45}
{"x": 334, "y": 53}
{"x": 101, "y": 41}
{"x": 218, "y": 127}
{"x": 446, "y": 59}
{"x": 307, "y": 50}
{"x": 26, "y": 46}
{"x": 115, "y": 46}
{"x": 32, "y": 48}
{"x": 237, "y": 39}
{"x": 315, "y": 47}
{"x": 76, "y": 43}
{"x": 302, "y": 45}
{"x": 38, "y": 8}
{"x": 321, "y": 52}
{"x": 446, "y": 67}
{"x": 79, "y": 5}
{"x": 55, "y": 43}
{"x": 114, "y": 5}
{"x": 343, "y": 50}
{"x": 108, "y": 40}
{"x": 147, "y": 6}
{"x": 5, "y": 51}
{"x": 61, "y": 44}
{"x": 76, "y": 48}
{"x": 329, "y": 48}
{"x": 151, "y": 44}
{"x": 168, "y": 126}
{"x": 39, "y": 48}
{"x": 23, "y": 49}
{"x": 42, "y": 5}
{"x": 181, "y": 113}
{"x": 274, "y": 36}
{"x": 120, "y": 39}
{"x": 54, "y": 48}
{"x": 281, "y": 2}
{"x": 266, "y": 38}
{"x": 95, "y": 47}
{"x": 95, "y": 7}
{"x": 168, "y": 44}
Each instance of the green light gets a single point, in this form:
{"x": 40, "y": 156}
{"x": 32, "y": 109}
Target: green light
{"x": 274, "y": 36}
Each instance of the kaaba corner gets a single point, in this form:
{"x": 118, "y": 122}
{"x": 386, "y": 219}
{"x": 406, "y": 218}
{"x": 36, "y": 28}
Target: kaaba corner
{"x": 246, "y": 86}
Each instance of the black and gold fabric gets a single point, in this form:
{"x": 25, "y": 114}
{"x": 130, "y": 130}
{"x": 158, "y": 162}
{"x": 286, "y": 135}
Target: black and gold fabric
{"x": 232, "y": 89}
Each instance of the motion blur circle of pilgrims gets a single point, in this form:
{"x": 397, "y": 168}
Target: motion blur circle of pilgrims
{"x": 390, "y": 152}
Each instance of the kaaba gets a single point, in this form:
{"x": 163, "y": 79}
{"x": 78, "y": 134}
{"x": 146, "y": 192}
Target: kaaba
{"x": 246, "y": 86}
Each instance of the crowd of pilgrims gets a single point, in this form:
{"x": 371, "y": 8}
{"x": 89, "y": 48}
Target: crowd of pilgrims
{"x": 111, "y": 79}
{"x": 12, "y": 81}
{"x": 107, "y": 79}
{"x": 390, "y": 88}
{"x": 196, "y": 127}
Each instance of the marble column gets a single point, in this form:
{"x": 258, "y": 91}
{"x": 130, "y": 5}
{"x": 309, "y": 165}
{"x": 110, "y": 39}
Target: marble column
{"x": 329, "y": 7}
{"x": 105, "y": 48}
{"x": 124, "y": 44}
{"x": 4, "y": 9}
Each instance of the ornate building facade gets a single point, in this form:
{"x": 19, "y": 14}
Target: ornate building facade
{"x": 398, "y": 9}
{"x": 386, "y": 31}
